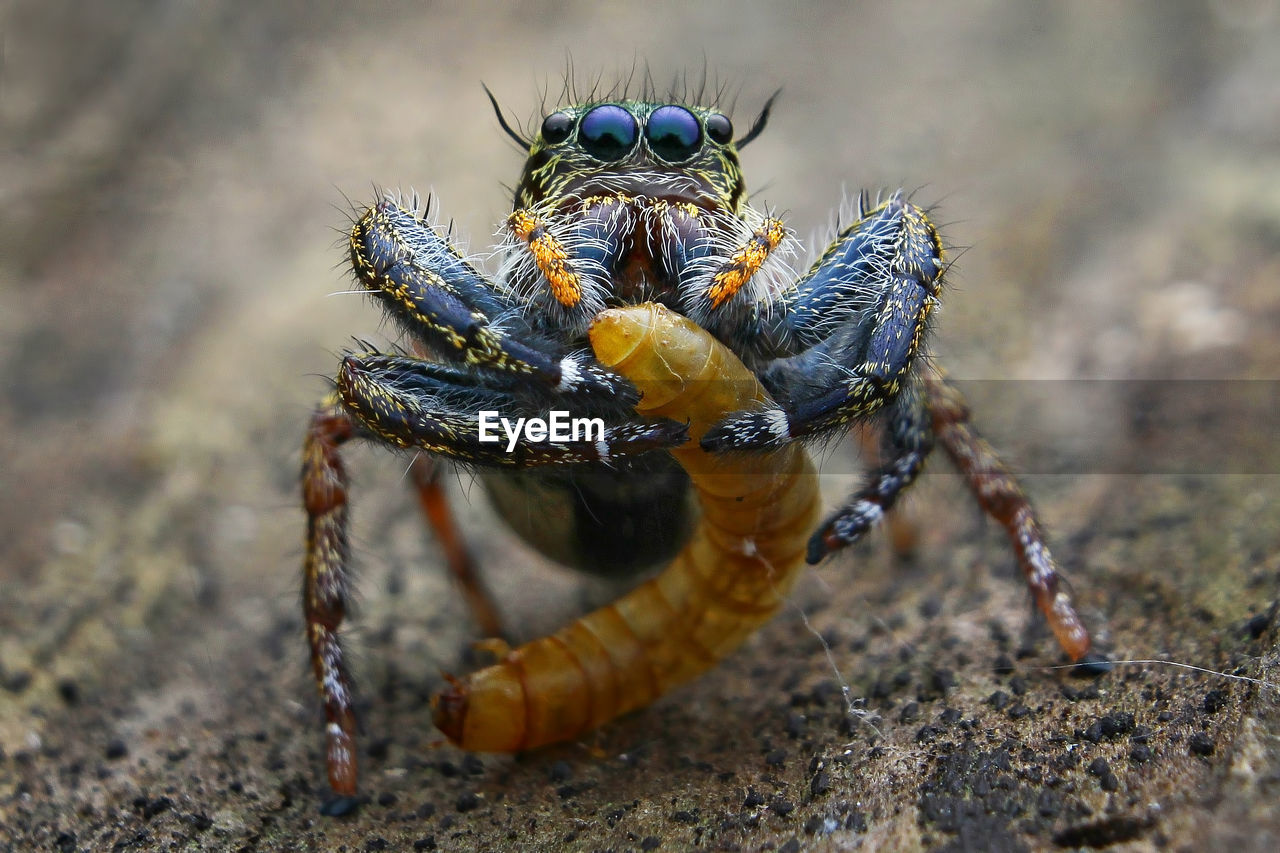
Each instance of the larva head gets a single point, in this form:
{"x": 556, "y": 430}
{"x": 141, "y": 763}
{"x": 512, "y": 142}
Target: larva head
{"x": 637, "y": 148}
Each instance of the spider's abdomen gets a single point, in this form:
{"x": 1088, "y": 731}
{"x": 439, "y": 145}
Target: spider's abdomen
{"x": 613, "y": 522}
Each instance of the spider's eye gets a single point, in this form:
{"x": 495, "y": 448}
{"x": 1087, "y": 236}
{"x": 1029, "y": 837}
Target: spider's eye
{"x": 719, "y": 128}
{"x": 608, "y": 132}
{"x": 673, "y": 133}
{"x": 557, "y": 127}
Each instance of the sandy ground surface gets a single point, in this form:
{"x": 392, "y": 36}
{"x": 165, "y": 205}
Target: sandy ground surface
{"x": 174, "y": 179}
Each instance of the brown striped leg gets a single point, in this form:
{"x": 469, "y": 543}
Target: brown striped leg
{"x": 999, "y": 495}
{"x": 435, "y": 506}
{"x": 325, "y": 588}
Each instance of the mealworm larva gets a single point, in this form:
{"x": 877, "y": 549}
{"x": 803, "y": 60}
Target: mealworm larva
{"x": 746, "y": 552}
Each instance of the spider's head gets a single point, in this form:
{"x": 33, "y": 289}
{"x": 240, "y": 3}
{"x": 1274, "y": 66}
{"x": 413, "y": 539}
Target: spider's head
{"x": 636, "y": 148}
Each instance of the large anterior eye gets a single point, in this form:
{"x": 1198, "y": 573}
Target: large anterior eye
{"x": 557, "y": 127}
{"x": 673, "y": 133}
{"x": 608, "y": 132}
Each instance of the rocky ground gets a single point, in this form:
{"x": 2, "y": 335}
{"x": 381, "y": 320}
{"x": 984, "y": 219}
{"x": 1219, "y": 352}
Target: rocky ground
{"x": 175, "y": 180}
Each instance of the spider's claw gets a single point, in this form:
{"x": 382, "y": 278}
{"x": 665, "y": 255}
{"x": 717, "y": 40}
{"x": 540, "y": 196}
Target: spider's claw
{"x": 764, "y": 430}
{"x": 585, "y": 377}
{"x": 668, "y": 434}
{"x": 818, "y": 549}
{"x": 842, "y": 530}
{"x": 339, "y": 806}
{"x": 632, "y": 439}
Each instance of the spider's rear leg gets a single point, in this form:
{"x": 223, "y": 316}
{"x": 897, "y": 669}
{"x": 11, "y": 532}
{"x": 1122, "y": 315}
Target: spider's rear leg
{"x": 462, "y": 566}
{"x": 326, "y": 587}
{"x": 998, "y": 493}
{"x": 429, "y": 406}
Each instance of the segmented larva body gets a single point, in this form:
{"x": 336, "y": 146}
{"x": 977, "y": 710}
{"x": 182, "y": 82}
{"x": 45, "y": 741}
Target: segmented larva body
{"x": 748, "y": 549}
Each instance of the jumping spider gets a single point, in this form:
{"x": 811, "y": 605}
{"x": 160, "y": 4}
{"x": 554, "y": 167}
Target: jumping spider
{"x": 627, "y": 203}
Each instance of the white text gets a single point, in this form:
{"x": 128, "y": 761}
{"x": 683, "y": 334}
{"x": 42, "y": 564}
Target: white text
{"x": 558, "y": 427}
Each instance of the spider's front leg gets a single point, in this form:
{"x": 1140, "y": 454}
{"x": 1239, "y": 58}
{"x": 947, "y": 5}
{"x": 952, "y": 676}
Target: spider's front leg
{"x": 444, "y": 302}
{"x": 853, "y": 327}
{"x": 414, "y": 404}
{"x": 849, "y": 330}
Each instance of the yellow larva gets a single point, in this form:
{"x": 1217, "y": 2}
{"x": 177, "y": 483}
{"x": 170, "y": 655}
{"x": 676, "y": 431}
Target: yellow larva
{"x": 757, "y": 513}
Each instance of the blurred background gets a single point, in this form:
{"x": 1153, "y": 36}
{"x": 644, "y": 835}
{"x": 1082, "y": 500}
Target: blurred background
{"x": 176, "y": 179}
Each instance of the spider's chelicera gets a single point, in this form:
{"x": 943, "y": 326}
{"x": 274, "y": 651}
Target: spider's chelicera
{"x": 624, "y": 203}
